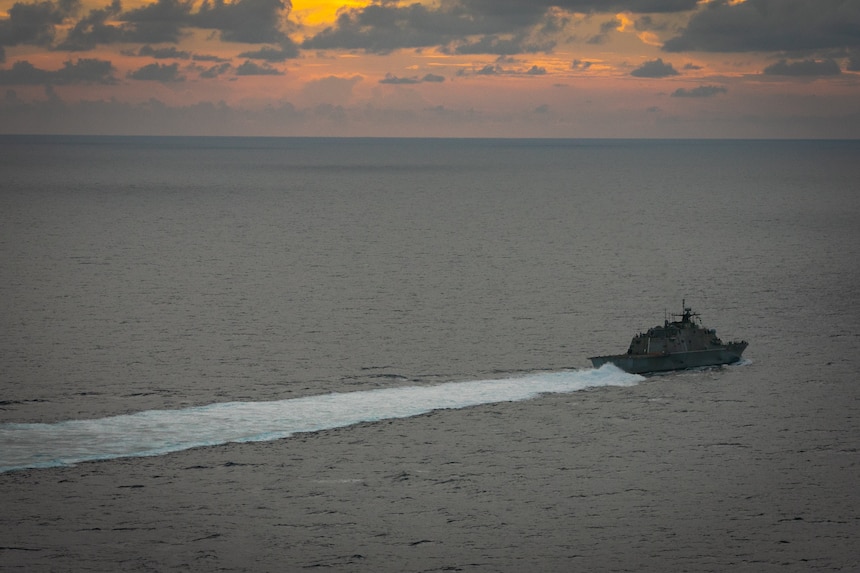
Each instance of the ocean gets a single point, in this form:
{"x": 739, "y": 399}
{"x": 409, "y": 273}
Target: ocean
{"x": 266, "y": 354}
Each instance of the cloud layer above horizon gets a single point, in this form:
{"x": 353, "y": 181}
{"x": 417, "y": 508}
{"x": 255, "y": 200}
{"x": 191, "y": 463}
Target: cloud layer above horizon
{"x": 559, "y": 68}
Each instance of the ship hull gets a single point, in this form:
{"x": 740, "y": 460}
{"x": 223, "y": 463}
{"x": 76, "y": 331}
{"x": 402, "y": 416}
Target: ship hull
{"x": 662, "y": 362}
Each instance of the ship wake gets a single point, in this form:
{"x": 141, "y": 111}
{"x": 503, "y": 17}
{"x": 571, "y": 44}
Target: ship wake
{"x": 157, "y": 432}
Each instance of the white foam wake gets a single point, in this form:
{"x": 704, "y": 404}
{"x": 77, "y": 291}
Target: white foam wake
{"x": 158, "y": 432}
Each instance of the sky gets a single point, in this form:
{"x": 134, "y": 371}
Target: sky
{"x": 432, "y": 68}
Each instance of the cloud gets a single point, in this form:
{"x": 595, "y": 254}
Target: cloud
{"x": 270, "y": 54}
{"x": 634, "y": 6}
{"x": 249, "y": 68}
{"x": 513, "y": 7}
{"x": 807, "y": 68}
{"x": 247, "y": 21}
{"x": 458, "y": 26}
{"x": 381, "y": 28}
{"x": 701, "y": 91}
{"x": 23, "y": 73}
{"x": 471, "y": 26}
{"x": 395, "y": 80}
{"x": 580, "y": 65}
{"x": 489, "y": 70}
{"x": 453, "y": 26}
{"x": 164, "y": 73}
{"x": 498, "y": 69}
{"x": 92, "y": 30}
{"x": 161, "y": 21}
{"x": 770, "y": 25}
{"x": 215, "y": 71}
{"x": 649, "y": 24}
{"x": 605, "y": 29}
{"x": 501, "y": 45}
{"x": 34, "y": 23}
{"x": 854, "y": 62}
{"x": 83, "y": 71}
{"x": 654, "y": 69}
{"x": 330, "y": 89}
{"x": 169, "y": 52}
{"x": 207, "y": 58}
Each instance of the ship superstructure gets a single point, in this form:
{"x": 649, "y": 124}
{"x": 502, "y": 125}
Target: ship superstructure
{"x": 679, "y": 344}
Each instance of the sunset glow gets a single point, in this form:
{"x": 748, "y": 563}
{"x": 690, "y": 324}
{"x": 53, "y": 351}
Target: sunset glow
{"x": 568, "y": 68}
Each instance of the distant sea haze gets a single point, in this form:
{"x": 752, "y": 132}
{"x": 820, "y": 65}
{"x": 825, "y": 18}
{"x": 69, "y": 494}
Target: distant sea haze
{"x": 371, "y": 354}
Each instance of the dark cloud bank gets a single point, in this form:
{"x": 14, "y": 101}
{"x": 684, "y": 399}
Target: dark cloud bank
{"x": 771, "y": 26}
{"x": 809, "y": 35}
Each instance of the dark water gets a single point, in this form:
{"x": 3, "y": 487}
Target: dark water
{"x": 166, "y": 274}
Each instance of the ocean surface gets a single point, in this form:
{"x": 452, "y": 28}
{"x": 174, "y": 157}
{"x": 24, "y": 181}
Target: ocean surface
{"x": 273, "y": 354}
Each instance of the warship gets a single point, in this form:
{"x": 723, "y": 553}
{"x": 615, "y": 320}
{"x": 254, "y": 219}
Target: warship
{"x": 676, "y": 345}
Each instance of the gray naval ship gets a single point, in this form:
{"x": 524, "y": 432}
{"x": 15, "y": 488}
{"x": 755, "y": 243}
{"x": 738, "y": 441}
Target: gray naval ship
{"x": 676, "y": 345}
